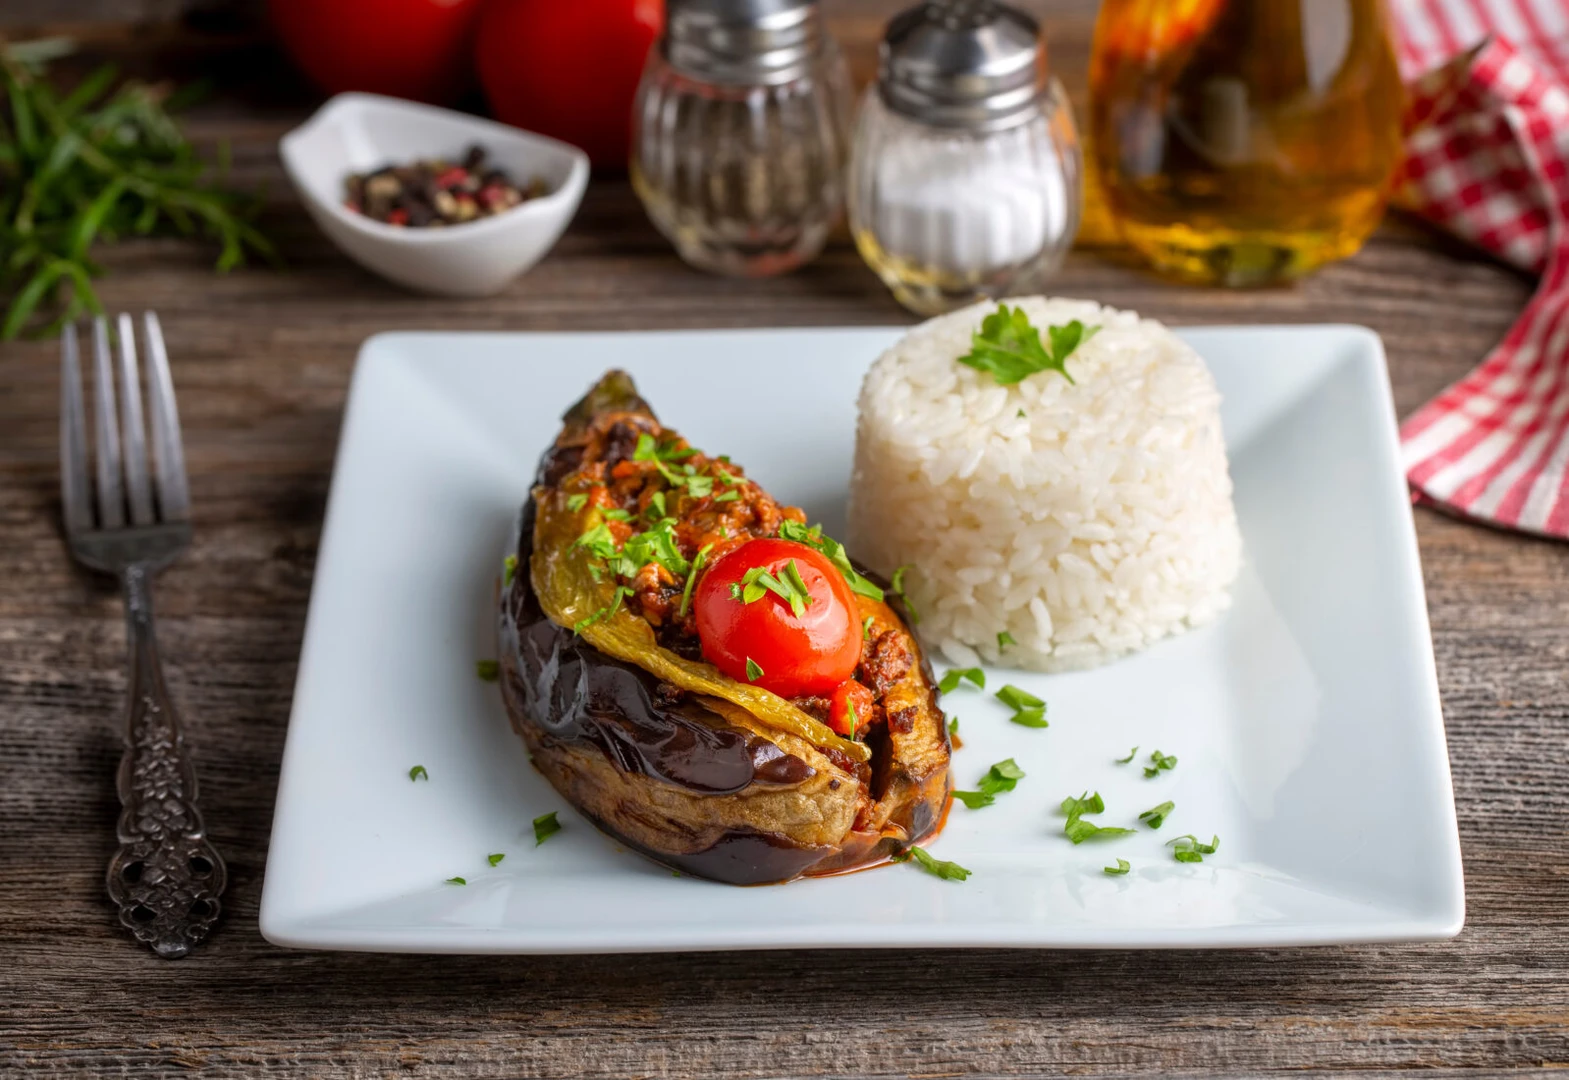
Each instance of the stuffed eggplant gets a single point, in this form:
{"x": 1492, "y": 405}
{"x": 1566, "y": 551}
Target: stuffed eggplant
{"x": 709, "y": 679}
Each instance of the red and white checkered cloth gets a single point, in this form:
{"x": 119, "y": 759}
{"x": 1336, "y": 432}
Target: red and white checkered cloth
{"x": 1487, "y": 157}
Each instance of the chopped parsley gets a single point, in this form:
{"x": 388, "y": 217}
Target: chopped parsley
{"x": 1190, "y": 849}
{"x": 727, "y": 496}
{"x": 1084, "y": 804}
{"x": 455, "y": 881}
{"x": 418, "y": 773}
{"x": 656, "y": 544}
{"x": 621, "y": 593}
{"x": 1004, "y": 639}
{"x": 1009, "y": 349}
{"x": 753, "y": 670}
{"x": 854, "y": 720}
{"x": 1125, "y": 760}
{"x": 691, "y": 576}
{"x": 1122, "y": 867}
{"x": 656, "y": 506}
{"x": 953, "y": 727}
{"x": 1019, "y": 415}
{"x": 1077, "y": 829}
{"x": 615, "y": 513}
{"x": 1162, "y": 763}
{"x": 599, "y": 541}
{"x": 1032, "y": 718}
{"x": 951, "y": 679}
{"x": 866, "y": 629}
{"x": 1003, "y": 776}
{"x": 1015, "y": 698}
{"x": 545, "y": 826}
{"x": 577, "y": 502}
{"x": 813, "y": 538}
{"x": 1155, "y": 816}
{"x": 495, "y": 859}
{"x": 787, "y": 585}
{"x": 948, "y": 871}
{"x": 648, "y": 449}
{"x": 896, "y": 586}
{"x": 489, "y": 670}
{"x": 509, "y": 569}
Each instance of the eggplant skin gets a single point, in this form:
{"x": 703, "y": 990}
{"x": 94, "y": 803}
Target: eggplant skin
{"x": 697, "y": 783}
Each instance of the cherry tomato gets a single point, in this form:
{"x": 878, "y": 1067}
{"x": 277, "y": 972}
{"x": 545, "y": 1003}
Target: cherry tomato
{"x": 807, "y": 654}
{"x": 568, "y": 68}
{"x": 850, "y": 707}
{"x": 416, "y": 49}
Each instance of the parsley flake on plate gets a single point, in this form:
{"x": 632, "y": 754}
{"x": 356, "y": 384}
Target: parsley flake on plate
{"x": 951, "y": 679}
{"x": 1155, "y": 816}
{"x": 1016, "y": 699}
{"x": 1122, "y": 867}
{"x": 495, "y": 859}
{"x": 418, "y": 773}
{"x": 545, "y": 826}
{"x": 1004, "y": 639}
{"x": 455, "y": 881}
{"x": 1032, "y": 718}
{"x": 1009, "y": 348}
{"x": 509, "y": 569}
{"x": 1162, "y": 763}
{"x": 1191, "y": 849}
{"x": 1003, "y": 776}
{"x": 1125, "y": 760}
{"x": 1077, "y": 829}
{"x": 948, "y": 871}
{"x": 754, "y": 670}
{"x": 489, "y": 670}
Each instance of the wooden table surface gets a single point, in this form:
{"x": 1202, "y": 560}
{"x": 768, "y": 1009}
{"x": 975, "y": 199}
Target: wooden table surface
{"x": 262, "y": 361}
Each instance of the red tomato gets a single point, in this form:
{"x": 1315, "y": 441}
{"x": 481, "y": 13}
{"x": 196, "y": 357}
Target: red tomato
{"x": 850, "y": 707}
{"x": 407, "y": 48}
{"x": 568, "y": 68}
{"x": 811, "y": 654}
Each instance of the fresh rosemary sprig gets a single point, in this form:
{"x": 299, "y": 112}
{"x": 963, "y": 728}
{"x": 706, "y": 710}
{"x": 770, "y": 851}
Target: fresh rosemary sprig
{"x": 96, "y": 164}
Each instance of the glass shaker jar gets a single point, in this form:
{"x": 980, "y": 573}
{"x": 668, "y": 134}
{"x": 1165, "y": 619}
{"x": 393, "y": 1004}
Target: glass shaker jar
{"x": 965, "y": 171}
{"x": 1244, "y": 142}
{"x": 740, "y": 134}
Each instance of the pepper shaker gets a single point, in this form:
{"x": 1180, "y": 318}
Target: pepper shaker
{"x": 965, "y": 171}
{"x": 741, "y": 134}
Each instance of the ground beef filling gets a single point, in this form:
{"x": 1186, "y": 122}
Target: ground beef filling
{"x": 712, "y": 503}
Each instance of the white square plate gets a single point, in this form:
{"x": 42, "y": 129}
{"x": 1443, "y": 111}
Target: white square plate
{"x": 1306, "y": 721}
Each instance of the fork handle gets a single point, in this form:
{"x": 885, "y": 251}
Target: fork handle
{"x": 165, "y": 878}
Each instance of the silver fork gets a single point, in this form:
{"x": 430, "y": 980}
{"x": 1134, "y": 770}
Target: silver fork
{"x": 165, "y": 878}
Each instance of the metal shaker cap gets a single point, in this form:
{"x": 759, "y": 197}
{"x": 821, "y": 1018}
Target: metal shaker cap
{"x": 742, "y": 42}
{"x": 973, "y": 64}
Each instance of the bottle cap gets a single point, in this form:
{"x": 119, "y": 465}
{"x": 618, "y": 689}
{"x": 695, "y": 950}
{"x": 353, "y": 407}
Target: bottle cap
{"x": 973, "y": 64}
{"x": 742, "y": 42}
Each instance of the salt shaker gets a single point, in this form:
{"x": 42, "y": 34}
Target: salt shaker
{"x": 965, "y": 170}
{"x": 741, "y": 134}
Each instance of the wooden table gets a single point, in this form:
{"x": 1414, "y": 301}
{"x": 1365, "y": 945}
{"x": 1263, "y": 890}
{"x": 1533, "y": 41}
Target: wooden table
{"x": 262, "y": 361}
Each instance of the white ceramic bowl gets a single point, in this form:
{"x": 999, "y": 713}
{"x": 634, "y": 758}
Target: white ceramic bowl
{"x": 361, "y": 132}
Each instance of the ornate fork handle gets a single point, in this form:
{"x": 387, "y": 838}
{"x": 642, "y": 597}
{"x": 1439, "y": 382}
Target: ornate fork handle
{"x": 166, "y": 878}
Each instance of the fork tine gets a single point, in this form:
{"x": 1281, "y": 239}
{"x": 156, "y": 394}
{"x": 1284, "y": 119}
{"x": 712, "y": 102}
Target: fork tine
{"x": 111, "y": 508}
{"x": 74, "y": 482}
{"x": 173, "y": 496}
{"x": 137, "y": 488}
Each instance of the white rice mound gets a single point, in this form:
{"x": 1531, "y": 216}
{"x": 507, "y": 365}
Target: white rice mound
{"x": 1098, "y": 522}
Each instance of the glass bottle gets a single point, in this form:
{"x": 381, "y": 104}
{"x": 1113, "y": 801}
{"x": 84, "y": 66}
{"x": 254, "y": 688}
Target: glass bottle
{"x": 964, "y": 175}
{"x": 1244, "y": 142}
{"x": 740, "y": 134}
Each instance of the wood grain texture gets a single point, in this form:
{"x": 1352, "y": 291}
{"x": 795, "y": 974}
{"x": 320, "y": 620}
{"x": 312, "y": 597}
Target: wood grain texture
{"x": 262, "y": 362}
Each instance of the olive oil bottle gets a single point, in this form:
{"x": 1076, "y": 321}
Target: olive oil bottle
{"x": 1244, "y": 142}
